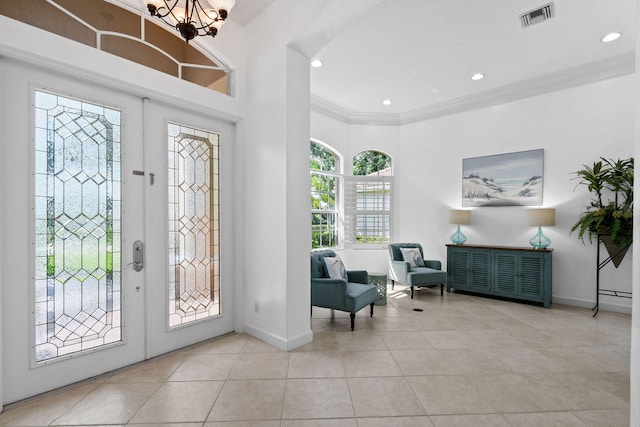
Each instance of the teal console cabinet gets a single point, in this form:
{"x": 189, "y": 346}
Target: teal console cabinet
{"x": 469, "y": 270}
{"x": 510, "y": 272}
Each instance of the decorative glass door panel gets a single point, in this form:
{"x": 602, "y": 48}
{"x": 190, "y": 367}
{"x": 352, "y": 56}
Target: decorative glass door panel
{"x": 194, "y": 244}
{"x": 77, "y": 226}
{"x": 95, "y": 189}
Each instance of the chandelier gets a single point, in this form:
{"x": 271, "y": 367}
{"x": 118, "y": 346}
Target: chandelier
{"x": 192, "y": 17}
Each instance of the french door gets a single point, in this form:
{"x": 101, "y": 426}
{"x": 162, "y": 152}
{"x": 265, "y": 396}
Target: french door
{"x": 187, "y": 161}
{"x": 112, "y": 229}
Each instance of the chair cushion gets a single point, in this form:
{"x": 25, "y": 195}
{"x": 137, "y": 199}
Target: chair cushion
{"x": 335, "y": 268}
{"x": 426, "y": 276}
{"x": 359, "y": 296}
{"x": 396, "y": 255}
{"x": 412, "y": 256}
{"x": 318, "y": 268}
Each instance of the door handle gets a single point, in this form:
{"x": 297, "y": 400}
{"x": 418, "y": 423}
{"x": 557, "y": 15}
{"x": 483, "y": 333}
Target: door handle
{"x": 138, "y": 255}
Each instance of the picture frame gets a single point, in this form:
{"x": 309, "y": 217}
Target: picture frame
{"x": 509, "y": 179}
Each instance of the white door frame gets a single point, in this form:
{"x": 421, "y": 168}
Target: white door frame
{"x": 172, "y": 95}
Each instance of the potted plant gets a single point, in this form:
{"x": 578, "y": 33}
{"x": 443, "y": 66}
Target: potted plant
{"x": 609, "y": 216}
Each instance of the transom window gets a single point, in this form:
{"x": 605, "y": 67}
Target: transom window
{"x": 119, "y": 31}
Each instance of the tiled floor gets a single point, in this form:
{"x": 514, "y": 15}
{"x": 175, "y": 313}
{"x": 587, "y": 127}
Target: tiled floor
{"x": 463, "y": 361}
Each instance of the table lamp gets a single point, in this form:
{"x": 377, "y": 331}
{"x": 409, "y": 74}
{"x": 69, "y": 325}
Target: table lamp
{"x": 541, "y": 217}
{"x": 459, "y": 217}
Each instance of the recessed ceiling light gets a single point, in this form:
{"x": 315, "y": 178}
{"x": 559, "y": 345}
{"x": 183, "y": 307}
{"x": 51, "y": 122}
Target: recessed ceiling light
{"x": 477, "y": 76}
{"x": 610, "y": 37}
{"x": 386, "y": 102}
{"x": 316, "y": 63}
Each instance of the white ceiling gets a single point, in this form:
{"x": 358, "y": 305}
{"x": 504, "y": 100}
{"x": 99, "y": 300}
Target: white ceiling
{"x": 421, "y": 54}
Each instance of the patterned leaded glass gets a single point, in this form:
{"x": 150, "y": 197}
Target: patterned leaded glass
{"x": 77, "y": 226}
{"x": 194, "y": 244}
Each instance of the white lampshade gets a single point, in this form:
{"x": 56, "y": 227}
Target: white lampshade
{"x": 459, "y": 216}
{"x": 542, "y": 217}
{"x": 223, "y": 4}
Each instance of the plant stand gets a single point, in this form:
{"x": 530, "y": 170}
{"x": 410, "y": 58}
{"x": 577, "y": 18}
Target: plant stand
{"x": 601, "y": 264}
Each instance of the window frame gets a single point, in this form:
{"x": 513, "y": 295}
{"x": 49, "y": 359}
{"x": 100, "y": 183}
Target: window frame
{"x": 337, "y": 211}
{"x": 351, "y": 210}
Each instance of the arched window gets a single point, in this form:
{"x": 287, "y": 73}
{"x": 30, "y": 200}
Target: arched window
{"x": 325, "y": 177}
{"x": 367, "y": 200}
{"x": 372, "y": 163}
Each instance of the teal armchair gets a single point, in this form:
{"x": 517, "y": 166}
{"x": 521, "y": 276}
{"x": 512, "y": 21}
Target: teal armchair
{"x": 400, "y": 270}
{"x": 350, "y": 295}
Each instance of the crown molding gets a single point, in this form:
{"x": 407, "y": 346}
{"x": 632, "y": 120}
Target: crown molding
{"x": 592, "y": 72}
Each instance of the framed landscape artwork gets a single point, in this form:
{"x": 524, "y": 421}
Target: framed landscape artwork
{"x": 511, "y": 179}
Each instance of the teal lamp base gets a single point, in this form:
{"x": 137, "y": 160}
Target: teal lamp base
{"x": 540, "y": 241}
{"x": 458, "y": 238}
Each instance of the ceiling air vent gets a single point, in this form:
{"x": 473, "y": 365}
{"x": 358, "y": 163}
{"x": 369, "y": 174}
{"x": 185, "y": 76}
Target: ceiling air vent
{"x": 537, "y": 15}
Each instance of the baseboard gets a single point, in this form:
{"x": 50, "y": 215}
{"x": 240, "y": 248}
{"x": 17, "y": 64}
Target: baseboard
{"x": 276, "y": 340}
{"x": 604, "y": 306}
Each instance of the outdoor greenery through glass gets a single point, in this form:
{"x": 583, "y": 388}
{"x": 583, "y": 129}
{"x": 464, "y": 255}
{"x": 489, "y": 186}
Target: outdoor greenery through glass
{"x": 371, "y": 163}
{"x": 77, "y": 226}
{"x": 324, "y": 182}
{"x": 367, "y": 199}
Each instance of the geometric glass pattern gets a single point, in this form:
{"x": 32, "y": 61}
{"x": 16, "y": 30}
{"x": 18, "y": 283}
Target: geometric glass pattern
{"x": 77, "y": 226}
{"x": 194, "y": 220}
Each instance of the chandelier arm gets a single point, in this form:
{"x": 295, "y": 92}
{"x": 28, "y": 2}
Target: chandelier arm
{"x": 197, "y": 21}
{"x": 173, "y": 15}
{"x": 158, "y": 11}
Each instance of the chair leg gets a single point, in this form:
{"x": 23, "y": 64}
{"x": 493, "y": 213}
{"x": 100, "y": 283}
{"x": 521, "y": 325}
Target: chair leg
{"x": 441, "y": 289}
{"x": 393, "y": 283}
{"x": 371, "y": 309}
{"x": 411, "y": 291}
{"x": 353, "y": 318}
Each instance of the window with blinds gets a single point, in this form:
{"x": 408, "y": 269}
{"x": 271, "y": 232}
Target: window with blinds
{"x": 367, "y": 209}
{"x": 367, "y": 200}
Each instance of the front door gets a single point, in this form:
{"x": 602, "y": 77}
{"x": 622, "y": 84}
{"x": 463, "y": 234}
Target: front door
{"x": 101, "y": 257}
{"x": 187, "y": 158}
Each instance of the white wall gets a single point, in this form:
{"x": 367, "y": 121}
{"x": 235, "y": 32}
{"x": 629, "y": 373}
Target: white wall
{"x": 634, "y": 375}
{"x": 574, "y": 127}
{"x": 276, "y": 177}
